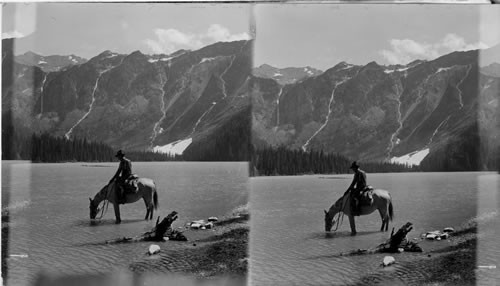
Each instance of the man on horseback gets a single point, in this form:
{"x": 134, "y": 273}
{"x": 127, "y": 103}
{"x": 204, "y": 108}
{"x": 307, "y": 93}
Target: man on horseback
{"x": 357, "y": 186}
{"x": 122, "y": 174}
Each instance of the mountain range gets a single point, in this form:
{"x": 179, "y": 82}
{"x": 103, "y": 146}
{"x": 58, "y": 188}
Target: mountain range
{"x": 202, "y": 103}
{"x": 49, "y": 63}
{"x": 135, "y": 101}
{"x": 443, "y": 111}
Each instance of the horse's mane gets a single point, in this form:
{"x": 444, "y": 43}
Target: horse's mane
{"x": 340, "y": 201}
{"x": 102, "y": 192}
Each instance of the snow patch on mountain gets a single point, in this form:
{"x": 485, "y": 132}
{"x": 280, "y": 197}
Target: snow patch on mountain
{"x": 443, "y": 69}
{"x": 206, "y": 60}
{"x": 397, "y": 70}
{"x": 277, "y": 74}
{"x": 411, "y": 159}
{"x": 174, "y": 148}
{"x": 160, "y": 59}
{"x": 348, "y": 66}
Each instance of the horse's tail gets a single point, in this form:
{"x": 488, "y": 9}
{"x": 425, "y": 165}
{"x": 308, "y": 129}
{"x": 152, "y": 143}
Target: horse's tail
{"x": 391, "y": 211}
{"x": 155, "y": 200}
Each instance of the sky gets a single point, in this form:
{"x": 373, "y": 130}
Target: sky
{"x": 322, "y": 35}
{"x": 87, "y": 29}
{"x": 317, "y": 35}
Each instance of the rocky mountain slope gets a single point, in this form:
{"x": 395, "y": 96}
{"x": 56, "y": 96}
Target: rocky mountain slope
{"x": 285, "y": 75}
{"x": 385, "y": 113}
{"x": 492, "y": 70}
{"x": 49, "y": 63}
{"x": 135, "y": 101}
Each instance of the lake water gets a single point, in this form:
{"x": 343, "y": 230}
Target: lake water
{"x": 289, "y": 245}
{"x": 49, "y": 215}
{"x": 50, "y": 229}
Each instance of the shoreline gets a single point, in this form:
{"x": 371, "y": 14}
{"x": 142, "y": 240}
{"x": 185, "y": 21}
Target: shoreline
{"x": 453, "y": 263}
{"x": 217, "y": 256}
{"x": 208, "y": 254}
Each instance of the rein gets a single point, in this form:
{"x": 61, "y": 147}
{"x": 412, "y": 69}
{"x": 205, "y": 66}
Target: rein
{"x": 339, "y": 216}
{"x": 104, "y": 209}
{"x": 105, "y": 205}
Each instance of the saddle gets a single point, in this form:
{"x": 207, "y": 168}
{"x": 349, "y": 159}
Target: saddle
{"x": 366, "y": 196}
{"x": 130, "y": 185}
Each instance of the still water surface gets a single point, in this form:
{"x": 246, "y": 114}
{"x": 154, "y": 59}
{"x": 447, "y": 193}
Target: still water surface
{"x": 49, "y": 214}
{"x": 289, "y": 245}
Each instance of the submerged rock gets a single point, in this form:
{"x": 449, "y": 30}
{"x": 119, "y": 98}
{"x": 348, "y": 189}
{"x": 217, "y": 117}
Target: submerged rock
{"x": 448, "y": 229}
{"x": 437, "y": 235}
{"x": 153, "y": 249}
{"x": 195, "y": 225}
{"x": 201, "y": 224}
{"x": 388, "y": 260}
{"x": 431, "y": 236}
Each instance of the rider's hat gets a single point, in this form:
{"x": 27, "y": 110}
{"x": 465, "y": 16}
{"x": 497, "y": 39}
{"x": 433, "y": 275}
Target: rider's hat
{"x": 119, "y": 154}
{"x": 354, "y": 165}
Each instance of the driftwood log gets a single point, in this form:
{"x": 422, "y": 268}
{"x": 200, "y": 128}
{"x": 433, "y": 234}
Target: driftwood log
{"x": 161, "y": 231}
{"x": 396, "y": 243}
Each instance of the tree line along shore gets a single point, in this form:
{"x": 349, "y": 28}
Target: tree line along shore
{"x": 264, "y": 161}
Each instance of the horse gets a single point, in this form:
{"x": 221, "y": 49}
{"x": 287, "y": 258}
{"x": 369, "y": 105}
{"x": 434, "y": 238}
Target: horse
{"x": 146, "y": 191}
{"x": 381, "y": 201}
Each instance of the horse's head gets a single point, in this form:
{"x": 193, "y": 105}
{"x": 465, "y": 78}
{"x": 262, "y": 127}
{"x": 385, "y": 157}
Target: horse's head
{"x": 94, "y": 209}
{"x": 99, "y": 197}
{"x": 330, "y": 214}
{"x": 329, "y": 221}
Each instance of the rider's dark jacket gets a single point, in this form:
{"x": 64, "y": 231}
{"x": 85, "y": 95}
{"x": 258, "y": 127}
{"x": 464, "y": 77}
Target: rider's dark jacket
{"x": 359, "y": 181}
{"x": 124, "y": 170}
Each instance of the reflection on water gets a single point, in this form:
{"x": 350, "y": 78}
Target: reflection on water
{"x": 289, "y": 247}
{"x": 49, "y": 213}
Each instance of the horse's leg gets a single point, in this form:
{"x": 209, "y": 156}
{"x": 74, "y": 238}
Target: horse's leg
{"x": 353, "y": 224}
{"x": 383, "y": 217}
{"x": 387, "y": 221}
{"x": 117, "y": 213}
{"x": 147, "y": 209}
{"x": 152, "y": 209}
{"x": 387, "y": 217}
